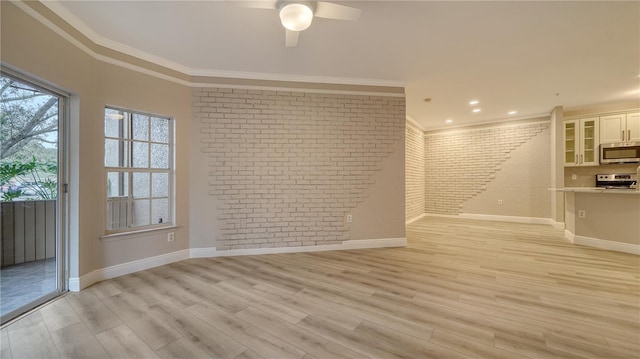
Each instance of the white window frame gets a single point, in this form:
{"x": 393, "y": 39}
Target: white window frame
{"x": 128, "y": 168}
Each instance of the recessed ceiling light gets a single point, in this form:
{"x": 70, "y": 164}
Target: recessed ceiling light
{"x": 476, "y": 110}
{"x": 474, "y": 102}
{"x": 512, "y": 112}
{"x": 448, "y": 121}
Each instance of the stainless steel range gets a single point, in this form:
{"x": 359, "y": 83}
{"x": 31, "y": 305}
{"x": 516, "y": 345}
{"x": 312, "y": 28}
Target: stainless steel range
{"x": 617, "y": 181}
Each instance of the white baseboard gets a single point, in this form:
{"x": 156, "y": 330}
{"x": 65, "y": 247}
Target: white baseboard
{"x": 346, "y": 245}
{"x": 603, "y": 244}
{"x": 497, "y": 218}
{"x": 76, "y": 284}
{"x": 514, "y": 219}
{"x": 415, "y": 219}
{"x": 569, "y": 235}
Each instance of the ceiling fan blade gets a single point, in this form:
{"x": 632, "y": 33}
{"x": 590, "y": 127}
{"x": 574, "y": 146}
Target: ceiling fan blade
{"x": 291, "y": 38}
{"x": 337, "y": 12}
{"x": 256, "y": 4}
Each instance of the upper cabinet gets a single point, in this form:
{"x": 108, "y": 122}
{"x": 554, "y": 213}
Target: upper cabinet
{"x": 581, "y": 140}
{"x": 633, "y": 127}
{"x": 620, "y": 128}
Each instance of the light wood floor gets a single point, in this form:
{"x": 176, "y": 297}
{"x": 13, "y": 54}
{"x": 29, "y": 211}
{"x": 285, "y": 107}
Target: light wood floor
{"x": 460, "y": 289}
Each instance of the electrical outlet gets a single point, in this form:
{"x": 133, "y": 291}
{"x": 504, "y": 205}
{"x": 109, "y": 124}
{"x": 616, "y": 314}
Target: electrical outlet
{"x": 574, "y": 176}
{"x": 582, "y": 213}
{"x": 171, "y": 236}
{"x": 349, "y": 218}
{"x": 499, "y": 202}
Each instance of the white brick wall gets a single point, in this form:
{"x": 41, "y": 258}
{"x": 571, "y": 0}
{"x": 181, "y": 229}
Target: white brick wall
{"x": 414, "y": 172}
{"x": 285, "y": 167}
{"x": 459, "y": 165}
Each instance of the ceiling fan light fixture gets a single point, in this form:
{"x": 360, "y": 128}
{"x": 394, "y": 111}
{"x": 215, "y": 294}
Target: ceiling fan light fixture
{"x": 296, "y": 17}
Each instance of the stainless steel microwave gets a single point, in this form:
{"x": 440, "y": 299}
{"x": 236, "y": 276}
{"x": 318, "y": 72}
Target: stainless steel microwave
{"x": 627, "y": 152}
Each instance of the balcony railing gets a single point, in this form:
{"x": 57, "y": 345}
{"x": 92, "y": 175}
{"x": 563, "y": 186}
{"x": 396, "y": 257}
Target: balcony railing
{"x": 117, "y": 212}
{"x": 27, "y": 231}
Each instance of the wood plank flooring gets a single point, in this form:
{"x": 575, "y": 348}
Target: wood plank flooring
{"x": 461, "y": 289}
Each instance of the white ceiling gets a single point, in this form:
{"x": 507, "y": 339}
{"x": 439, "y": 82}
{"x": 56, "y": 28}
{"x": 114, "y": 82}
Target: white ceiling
{"x": 516, "y": 55}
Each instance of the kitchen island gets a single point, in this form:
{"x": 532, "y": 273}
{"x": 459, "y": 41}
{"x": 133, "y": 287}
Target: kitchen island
{"x": 603, "y": 218}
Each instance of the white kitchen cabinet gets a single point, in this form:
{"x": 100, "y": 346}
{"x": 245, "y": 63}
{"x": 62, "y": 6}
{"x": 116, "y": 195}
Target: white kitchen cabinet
{"x": 581, "y": 140}
{"x": 620, "y": 128}
{"x": 633, "y": 127}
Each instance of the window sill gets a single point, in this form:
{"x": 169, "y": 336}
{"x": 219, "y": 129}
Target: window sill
{"x": 135, "y": 233}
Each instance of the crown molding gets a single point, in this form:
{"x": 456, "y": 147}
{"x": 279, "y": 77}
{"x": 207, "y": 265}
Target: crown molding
{"x": 415, "y": 123}
{"x": 294, "y": 78}
{"x": 57, "y": 8}
{"x": 65, "y": 15}
{"x": 504, "y": 122}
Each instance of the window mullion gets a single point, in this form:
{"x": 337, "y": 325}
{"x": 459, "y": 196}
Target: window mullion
{"x": 130, "y": 200}
{"x": 122, "y": 155}
{"x": 150, "y": 218}
{"x": 130, "y": 176}
{"x": 171, "y": 172}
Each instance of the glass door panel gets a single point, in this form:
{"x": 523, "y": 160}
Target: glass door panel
{"x": 30, "y": 153}
{"x": 570, "y": 133}
{"x": 588, "y": 144}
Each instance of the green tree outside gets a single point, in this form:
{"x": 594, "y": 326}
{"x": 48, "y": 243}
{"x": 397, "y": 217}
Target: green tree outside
{"x": 28, "y": 142}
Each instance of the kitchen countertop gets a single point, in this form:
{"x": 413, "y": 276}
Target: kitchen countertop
{"x": 597, "y": 190}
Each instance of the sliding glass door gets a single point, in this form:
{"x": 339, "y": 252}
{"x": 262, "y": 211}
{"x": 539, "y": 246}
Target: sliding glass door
{"x": 31, "y": 194}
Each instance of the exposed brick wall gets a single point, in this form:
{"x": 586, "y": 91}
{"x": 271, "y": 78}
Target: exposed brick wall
{"x": 414, "y": 172}
{"x": 460, "y": 164}
{"x": 285, "y": 167}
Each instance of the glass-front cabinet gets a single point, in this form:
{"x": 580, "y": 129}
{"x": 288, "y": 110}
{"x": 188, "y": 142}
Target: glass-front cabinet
{"x": 570, "y": 144}
{"x": 581, "y": 141}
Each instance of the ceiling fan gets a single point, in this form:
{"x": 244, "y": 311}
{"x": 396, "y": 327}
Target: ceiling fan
{"x": 296, "y": 16}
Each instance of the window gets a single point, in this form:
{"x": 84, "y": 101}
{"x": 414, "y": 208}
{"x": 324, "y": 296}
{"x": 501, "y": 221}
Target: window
{"x": 138, "y": 158}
